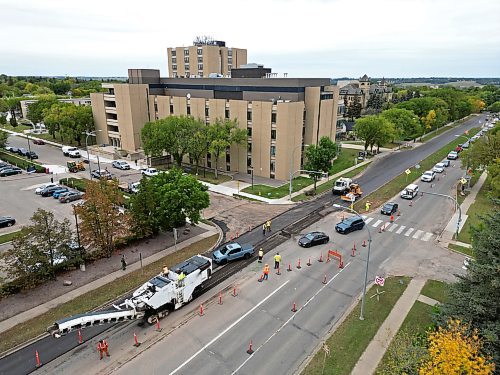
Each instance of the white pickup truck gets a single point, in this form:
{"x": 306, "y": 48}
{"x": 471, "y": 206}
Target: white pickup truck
{"x": 341, "y": 186}
{"x": 70, "y": 151}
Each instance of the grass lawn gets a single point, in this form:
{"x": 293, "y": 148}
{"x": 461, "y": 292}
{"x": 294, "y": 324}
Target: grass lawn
{"x": 18, "y": 129}
{"x": 7, "y": 237}
{"x": 435, "y": 289}
{"x": 280, "y": 191}
{"x": 344, "y": 161}
{"x": 19, "y": 161}
{"x": 210, "y": 177}
{"x": 352, "y": 337}
{"x": 393, "y": 187}
{"x": 481, "y": 207}
{"x": 75, "y": 183}
{"x": 49, "y": 137}
{"x": 32, "y": 328}
{"x": 461, "y": 249}
{"x": 328, "y": 185}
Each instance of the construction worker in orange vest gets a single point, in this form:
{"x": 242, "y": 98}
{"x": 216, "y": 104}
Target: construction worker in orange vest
{"x": 102, "y": 347}
{"x": 266, "y": 272}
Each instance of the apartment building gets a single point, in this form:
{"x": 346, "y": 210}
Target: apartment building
{"x": 281, "y": 115}
{"x": 205, "y": 58}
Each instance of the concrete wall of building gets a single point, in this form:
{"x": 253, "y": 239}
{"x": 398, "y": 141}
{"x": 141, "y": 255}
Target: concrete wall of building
{"x": 99, "y": 115}
{"x": 238, "y": 111}
{"x": 261, "y": 138}
{"x": 312, "y": 96}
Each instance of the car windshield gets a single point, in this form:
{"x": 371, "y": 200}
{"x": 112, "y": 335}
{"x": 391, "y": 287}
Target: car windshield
{"x": 388, "y": 206}
{"x": 223, "y": 250}
{"x": 309, "y": 236}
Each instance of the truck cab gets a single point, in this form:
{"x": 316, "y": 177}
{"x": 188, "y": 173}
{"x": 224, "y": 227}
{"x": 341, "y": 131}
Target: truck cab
{"x": 341, "y": 186}
{"x": 232, "y": 251}
{"x": 410, "y": 192}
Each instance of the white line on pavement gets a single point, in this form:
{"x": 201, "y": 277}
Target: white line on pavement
{"x": 408, "y": 232}
{"x": 417, "y": 234}
{"x": 290, "y": 319}
{"x": 377, "y": 223}
{"x": 393, "y": 226}
{"x": 401, "y": 228}
{"x": 368, "y": 220}
{"x": 426, "y": 237}
{"x": 228, "y": 328}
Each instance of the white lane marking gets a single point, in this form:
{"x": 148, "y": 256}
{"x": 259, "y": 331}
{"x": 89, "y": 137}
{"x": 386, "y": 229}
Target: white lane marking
{"x": 427, "y": 236}
{"x": 289, "y": 320}
{"x": 401, "y": 228}
{"x": 227, "y": 329}
{"x": 408, "y": 232}
{"x": 377, "y": 223}
{"x": 393, "y": 226}
{"x": 417, "y": 234}
{"x": 368, "y": 220}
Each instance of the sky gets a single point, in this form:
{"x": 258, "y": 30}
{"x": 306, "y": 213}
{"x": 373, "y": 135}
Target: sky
{"x": 304, "y": 38}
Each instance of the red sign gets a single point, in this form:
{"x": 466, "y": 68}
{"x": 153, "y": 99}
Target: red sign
{"x": 379, "y": 280}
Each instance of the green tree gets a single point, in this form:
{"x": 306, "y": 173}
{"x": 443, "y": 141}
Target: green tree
{"x": 152, "y": 136}
{"x": 319, "y": 158}
{"x": 374, "y": 130}
{"x": 3, "y": 106}
{"x": 475, "y": 298}
{"x": 221, "y": 136}
{"x": 3, "y": 120}
{"x": 198, "y": 143}
{"x": 178, "y": 133}
{"x": 13, "y": 105}
{"x": 102, "y": 225}
{"x": 36, "y": 109}
{"x": 354, "y": 109}
{"x": 36, "y": 248}
{"x": 404, "y": 355}
{"x": 166, "y": 200}
{"x": 4, "y": 136}
{"x": 494, "y": 107}
{"x": 405, "y": 122}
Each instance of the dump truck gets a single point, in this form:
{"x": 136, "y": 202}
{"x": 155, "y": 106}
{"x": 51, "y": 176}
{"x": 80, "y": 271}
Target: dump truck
{"x": 74, "y": 167}
{"x": 353, "y": 193}
{"x": 341, "y": 186}
{"x": 129, "y": 187}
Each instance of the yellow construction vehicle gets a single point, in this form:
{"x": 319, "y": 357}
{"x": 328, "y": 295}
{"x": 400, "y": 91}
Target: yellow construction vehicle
{"x": 353, "y": 193}
{"x": 74, "y": 167}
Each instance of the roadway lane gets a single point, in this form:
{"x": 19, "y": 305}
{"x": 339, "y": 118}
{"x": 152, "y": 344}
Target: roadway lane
{"x": 374, "y": 177}
{"x": 217, "y": 342}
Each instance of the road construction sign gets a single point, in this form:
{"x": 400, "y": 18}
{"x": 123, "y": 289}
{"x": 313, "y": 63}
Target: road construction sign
{"x": 463, "y": 181}
{"x": 379, "y": 280}
{"x": 407, "y": 171}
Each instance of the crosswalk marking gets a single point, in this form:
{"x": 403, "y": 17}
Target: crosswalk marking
{"x": 364, "y": 217}
{"x": 408, "y": 232}
{"x": 401, "y": 228}
{"x": 426, "y": 237}
{"x": 377, "y": 223}
{"x": 392, "y": 227}
{"x": 417, "y": 234}
{"x": 368, "y": 220}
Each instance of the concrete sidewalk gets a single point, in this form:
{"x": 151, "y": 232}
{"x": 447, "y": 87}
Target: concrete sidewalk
{"x": 43, "y": 308}
{"x": 373, "y": 354}
{"x": 451, "y": 228}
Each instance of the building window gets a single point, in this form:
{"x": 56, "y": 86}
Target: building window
{"x": 273, "y": 166}
{"x": 174, "y": 53}
{"x": 304, "y": 116}
{"x": 249, "y": 130}
{"x": 174, "y": 67}
{"x": 273, "y": 134}
{"x": 188, "y": 110}
{"x": 230, "y": 52}
{"x": 249, "y": 161}
{"x": 174, "y": 60}
{"x": 200, "y": 74}
{"x": 171, "y": 109}
{"x": 273, "y": 118}
{"x": 200, "y": 66}
{"x": 209, "y": 164}
{"x": 229, "y": 67}
{"x": 228, "y": 168}
{"x": 186, "y": 52}
{"x": 200, "y": 51}
{"x": 249, "y": 115}
{"x": 249, "y": 146}
{"x": 206, "y": 112}
{"x": 156, "y": 107}
{"x": 200, "y": 59}
{"x": 186, "y": 60}
{"x": 227, "y": 113}
{"x": 228, "y": 158}
{"x": 273, "y": 150}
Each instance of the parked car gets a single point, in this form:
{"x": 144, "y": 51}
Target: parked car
{"x": 453, "y": 155}
{"x": 466, "y": 144}
{"x": 7, "y": 221}
{"x": 410, "y": 192}
{"x": 438, "y": 168}
{"x": 22, "y": 151}
{"x": 39, "y": 189}
{"x": 313, "y": 238}
{"x": 150, "y": 172}
{"x": 232, "y": 251}
{"x": 10, "y": 171}
{"x": 101, "y": 174}
{"x": 428, "y": 176}
{"x": 120, "y": 164}
{"x": 11, "y": 149}
{"x": 67, "y": 149}
{"x": 48, "y": 191}
{"x": 4, "y": 165}
{"x": 389, "y": 208}
{"x": 31, "y": 155}
{"x": 458, "y": 148}
{"x": 446, "y": 163}
{"x": 70, "y": 196}
{"x": 349, "y": 225}
{"x": 38, "y": 142}
{"x": 58, "y": 192}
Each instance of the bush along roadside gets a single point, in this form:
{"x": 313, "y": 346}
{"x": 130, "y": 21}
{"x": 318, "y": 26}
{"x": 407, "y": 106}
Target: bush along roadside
{"x": 20, "y": 162}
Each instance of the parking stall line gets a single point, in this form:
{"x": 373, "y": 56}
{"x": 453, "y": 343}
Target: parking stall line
{"x": 401, "y": 228}
{"x": 427, "y": 236}
{"x": 377, "y": 223}
{"x": 393, "y": 226}
{"x": 417, "y": 234}
{"x": 408, "y": 232}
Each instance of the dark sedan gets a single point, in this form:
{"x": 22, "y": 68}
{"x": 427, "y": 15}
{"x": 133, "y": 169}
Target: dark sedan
{"x": 389, "y": 208}
{"x": 48, "y": 191}
{"x": 38, "y": 142}
{"x": 7, "y": 221}
{"x": 31, "y": 155}
{"x": 10, "y": 171}
{"x": 313, "y": 239}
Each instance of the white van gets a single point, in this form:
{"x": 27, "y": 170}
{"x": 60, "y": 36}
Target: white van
{"x": 410, "y": 192}
{"x": 71, "y": 151}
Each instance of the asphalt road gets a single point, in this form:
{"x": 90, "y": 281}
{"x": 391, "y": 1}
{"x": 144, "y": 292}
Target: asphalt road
{"x": 216, "y": 343}
{"x": 375, "y": 176}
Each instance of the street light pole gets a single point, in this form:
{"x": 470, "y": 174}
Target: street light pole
{"x": 456, "y": 204}
{"x": 362, "y": 313}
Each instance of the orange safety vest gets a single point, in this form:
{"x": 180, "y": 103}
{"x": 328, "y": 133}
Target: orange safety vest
{"x": 266, "y": 270}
